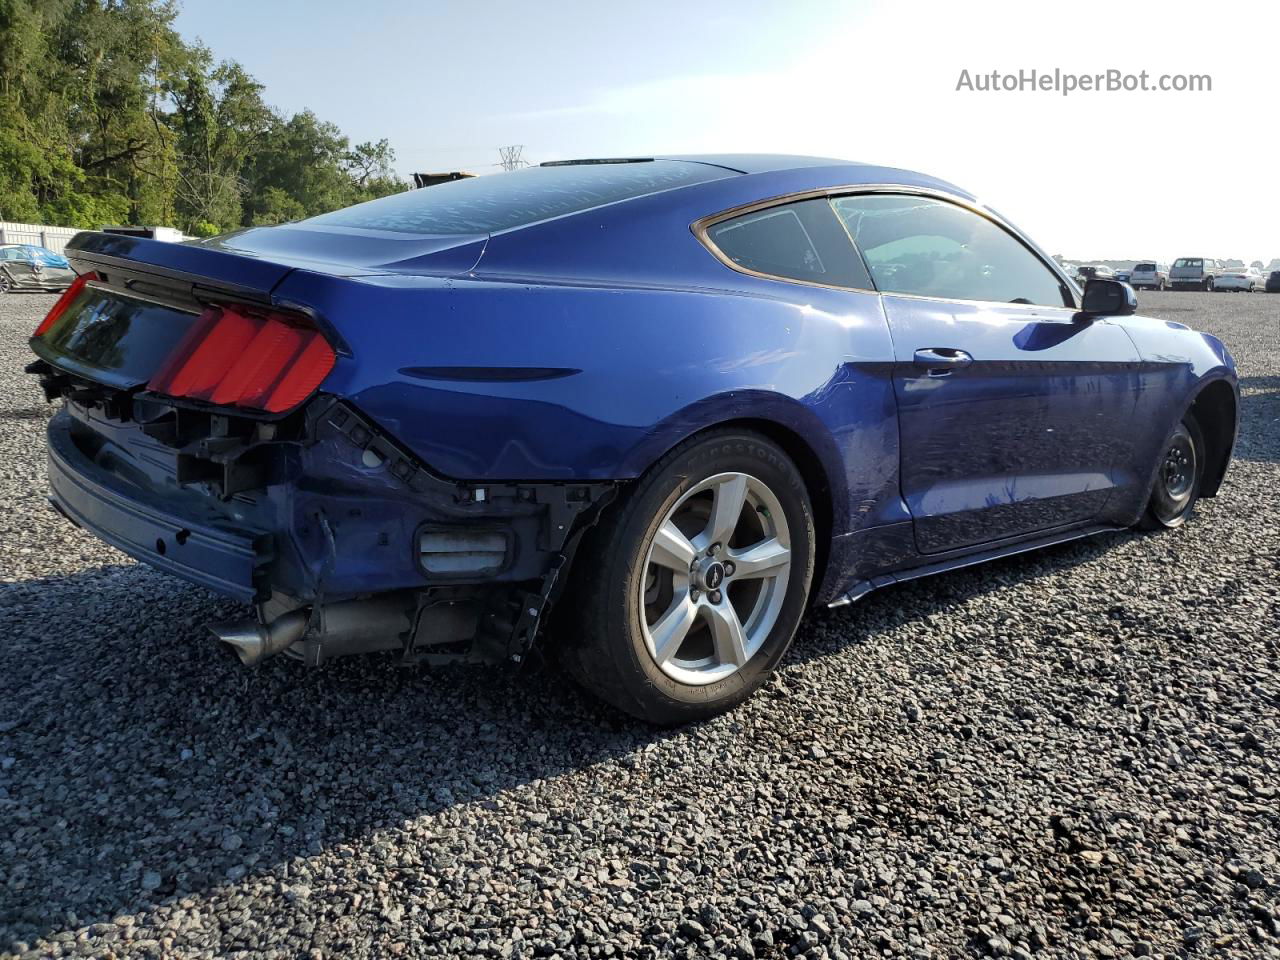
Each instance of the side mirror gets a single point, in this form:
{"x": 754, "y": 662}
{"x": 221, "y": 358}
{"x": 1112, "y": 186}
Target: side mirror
{"x": 1107, "y": 298}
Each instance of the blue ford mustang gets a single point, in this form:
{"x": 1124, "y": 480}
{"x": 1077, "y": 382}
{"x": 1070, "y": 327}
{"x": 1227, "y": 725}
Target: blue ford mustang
{"x": 665, "y": 402}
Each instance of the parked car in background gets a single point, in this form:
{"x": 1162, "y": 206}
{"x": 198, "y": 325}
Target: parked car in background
{"x": 1194, "y": 273}
{"x": 26, "y": 266}
{"x": 1273, "y": 282}
{"x": 1149, "y": 275}
{"x": 1123, "y": 275}
{"x": 1246, "y": 279}
{"x": 670, "y": 402}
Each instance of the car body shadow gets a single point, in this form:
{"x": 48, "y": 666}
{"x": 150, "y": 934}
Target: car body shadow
{"x": 1259, "y": 417}
{"x": 142, "y": 762}
{"x": 145, "y": 764}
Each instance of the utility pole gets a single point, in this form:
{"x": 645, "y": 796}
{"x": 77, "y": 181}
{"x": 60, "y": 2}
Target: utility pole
{"x": 510, "y": 159}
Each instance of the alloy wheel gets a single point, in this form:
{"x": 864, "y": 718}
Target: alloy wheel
{"x": 715, "y": 578}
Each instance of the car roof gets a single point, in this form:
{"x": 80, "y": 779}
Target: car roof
{"x": 726, "y": 182}
{"x": 823, "y": 169}
{"x": 761, "y": 162}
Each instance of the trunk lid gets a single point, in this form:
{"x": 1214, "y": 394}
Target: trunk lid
{"x": 113, "y": 338}
{"x": 147, "y": 294}
{"x": 258, "y": 258}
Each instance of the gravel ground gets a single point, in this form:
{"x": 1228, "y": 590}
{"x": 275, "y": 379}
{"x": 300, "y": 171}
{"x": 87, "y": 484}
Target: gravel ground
{"x": 1068, "y": 754}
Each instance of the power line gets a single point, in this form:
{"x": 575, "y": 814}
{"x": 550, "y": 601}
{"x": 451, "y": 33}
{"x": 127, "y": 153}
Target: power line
{"x": 509, "y": 158}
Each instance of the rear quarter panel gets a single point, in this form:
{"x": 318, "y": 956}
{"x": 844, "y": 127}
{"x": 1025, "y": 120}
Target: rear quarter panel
{"x": 639, "y": 337}
{"x": 492, "y": 380}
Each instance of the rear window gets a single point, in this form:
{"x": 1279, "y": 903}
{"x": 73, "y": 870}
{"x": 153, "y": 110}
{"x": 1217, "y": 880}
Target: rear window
{"x": 1144, "y": 268}
{"x": 1189, "y": 262}
{"x": 502, "y": 201}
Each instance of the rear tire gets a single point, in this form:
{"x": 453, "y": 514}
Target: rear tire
{"x": 1177, "y": 486}
{"x": 690, "y": 590}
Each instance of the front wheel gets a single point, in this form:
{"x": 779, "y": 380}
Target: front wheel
{"x": 689, "y": 592}
{"x": 1178, "y": 476}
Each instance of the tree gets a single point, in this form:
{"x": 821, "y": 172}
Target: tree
{"x": 106, "y": 115}
{"x": 221, "y": 120}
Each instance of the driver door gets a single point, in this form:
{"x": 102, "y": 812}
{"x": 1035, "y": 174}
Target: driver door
{"x": 1012, "y": 414}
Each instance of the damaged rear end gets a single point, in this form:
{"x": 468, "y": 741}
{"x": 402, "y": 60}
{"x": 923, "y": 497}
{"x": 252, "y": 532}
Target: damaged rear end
{"x": 196, "y": 434}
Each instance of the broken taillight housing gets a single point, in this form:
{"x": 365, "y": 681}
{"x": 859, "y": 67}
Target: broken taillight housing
{"x": 64, "y": 301}
{"x": 234, "y": 357}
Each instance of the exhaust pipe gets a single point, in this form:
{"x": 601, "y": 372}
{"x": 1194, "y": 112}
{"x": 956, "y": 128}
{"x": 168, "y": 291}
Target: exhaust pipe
{"x": 350, "y": 626}
{"x": 253, "y": 642}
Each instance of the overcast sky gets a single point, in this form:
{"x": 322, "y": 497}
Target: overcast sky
{"x": 1097, "y": 175}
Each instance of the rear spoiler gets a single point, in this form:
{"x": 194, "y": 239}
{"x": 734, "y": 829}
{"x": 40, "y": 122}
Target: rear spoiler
{"x": 174, "y": 272}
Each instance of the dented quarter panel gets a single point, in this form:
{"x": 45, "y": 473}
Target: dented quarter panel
{"x": 616, "y": 377}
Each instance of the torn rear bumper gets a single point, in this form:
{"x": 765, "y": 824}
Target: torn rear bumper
{"x": 314, "y": 513}
{"x": 227, "y": 561}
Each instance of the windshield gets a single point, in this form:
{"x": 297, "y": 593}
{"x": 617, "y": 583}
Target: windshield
{"x": 1189, "y": 262}
{"x": 501, "y": 201}
{"x": 1144, "y": 267}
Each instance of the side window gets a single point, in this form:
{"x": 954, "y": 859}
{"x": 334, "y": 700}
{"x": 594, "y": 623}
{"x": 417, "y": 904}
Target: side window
{"x": 931, "y": 248}
{"x": 794, "y": 241}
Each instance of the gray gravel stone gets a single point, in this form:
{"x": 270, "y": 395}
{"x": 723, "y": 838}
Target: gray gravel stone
{"x": 1070, "y": 753}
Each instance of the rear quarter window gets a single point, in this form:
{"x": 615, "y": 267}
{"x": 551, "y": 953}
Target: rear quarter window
{"x": 792, "y": 241}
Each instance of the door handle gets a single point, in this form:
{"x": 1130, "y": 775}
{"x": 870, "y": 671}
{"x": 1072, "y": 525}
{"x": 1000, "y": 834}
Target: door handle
{"x": 942, "y": 360}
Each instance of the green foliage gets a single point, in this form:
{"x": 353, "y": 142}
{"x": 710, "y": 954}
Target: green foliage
{"x": 107, "y": 116}
{"x": 276, "y": 206}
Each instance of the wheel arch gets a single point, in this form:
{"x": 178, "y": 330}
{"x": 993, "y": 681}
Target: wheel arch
{"x": 816, "y": 482}
{"x": 1215, "y": 408}
{"x": 825, "y": 484}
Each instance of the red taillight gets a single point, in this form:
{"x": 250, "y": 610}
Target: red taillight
{"x": 64, "y": 301}
{"x": 235, "y": 358}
